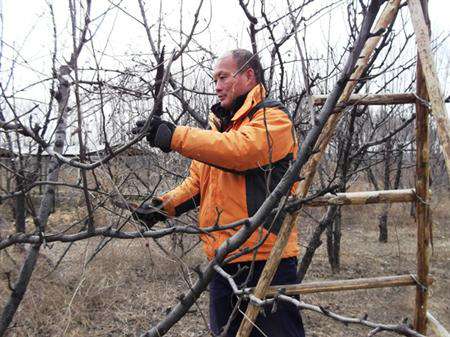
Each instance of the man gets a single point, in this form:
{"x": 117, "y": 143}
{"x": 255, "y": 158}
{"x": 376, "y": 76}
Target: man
{"x": 235, "y": 166}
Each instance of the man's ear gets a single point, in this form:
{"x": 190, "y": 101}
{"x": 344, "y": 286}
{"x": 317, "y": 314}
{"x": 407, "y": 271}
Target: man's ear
{"x": 250, "y": 74}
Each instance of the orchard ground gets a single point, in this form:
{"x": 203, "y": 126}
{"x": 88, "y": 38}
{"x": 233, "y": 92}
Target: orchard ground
{"x": 131, "y": 284}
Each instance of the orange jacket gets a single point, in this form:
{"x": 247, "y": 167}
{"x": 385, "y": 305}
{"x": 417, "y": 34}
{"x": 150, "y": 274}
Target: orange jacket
{"x": 229, "y": 176}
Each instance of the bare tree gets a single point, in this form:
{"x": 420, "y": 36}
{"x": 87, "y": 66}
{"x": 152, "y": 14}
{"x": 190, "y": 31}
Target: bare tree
{"x": 77, "y": 142}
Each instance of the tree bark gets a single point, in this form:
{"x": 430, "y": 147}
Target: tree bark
{"x": 315, "y": 242}
{"x": 383, "y": 218}
{"x": 334, "y": 241}
{"x": 19, "y": 207}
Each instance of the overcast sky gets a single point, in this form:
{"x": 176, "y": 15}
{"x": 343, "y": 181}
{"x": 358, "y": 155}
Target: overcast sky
{"x": 27, "y": 25}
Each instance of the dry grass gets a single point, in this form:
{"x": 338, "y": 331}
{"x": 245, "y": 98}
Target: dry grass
{"x": 129, "y": 286}
{"x": 124, "y": 290}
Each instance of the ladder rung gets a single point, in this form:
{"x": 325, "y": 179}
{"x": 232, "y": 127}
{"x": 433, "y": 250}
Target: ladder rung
{"x": 342, "y": 285}
{"x": 363, "y": 198}
{"x": 368, "y": 99}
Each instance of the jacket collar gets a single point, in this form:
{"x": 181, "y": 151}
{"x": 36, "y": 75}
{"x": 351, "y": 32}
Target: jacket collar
{"x": 241, "y": 105}
{"x": 256, "y": 95}
{"x": 226, "y": 115}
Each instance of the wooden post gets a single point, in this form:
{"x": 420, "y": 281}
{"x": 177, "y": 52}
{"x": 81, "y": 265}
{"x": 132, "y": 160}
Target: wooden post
{"x": 309, "y": 169}
{"x": 430, "y": 76}
{"x": 422, "y": 184}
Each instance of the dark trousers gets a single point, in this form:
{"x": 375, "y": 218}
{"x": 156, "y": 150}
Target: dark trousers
{"x": 285, "y": 322}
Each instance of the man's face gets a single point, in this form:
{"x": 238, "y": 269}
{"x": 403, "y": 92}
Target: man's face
{"x": 230, "y": 85}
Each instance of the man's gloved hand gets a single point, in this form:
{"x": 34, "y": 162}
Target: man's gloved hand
{"x": 159, "y": 133}
{"x": 148, "y": 214}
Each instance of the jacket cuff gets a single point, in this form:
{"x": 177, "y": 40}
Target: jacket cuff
{"x": 178, "y": 136}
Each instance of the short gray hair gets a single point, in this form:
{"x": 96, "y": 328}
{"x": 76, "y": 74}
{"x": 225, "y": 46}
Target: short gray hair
{"x": 246, "y": 59}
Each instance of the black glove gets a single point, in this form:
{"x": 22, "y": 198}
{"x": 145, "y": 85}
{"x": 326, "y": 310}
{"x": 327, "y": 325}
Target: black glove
{"x": 159, "y": 133}
{"x": 149, "y": 214}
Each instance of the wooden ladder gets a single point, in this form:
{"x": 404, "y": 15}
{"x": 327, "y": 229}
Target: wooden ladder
{"x": 427, "y": 89}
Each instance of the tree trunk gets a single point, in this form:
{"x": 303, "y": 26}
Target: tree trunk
{"x": 372, "y": 179}
{"x": 315, "y": 242}
{"x": 334, "y": 241}
{"x": 383, "y": 218}
{"x": 398, "y": 173}
{"x": 19, "y": 207}
{"x": 334, "y": 229}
